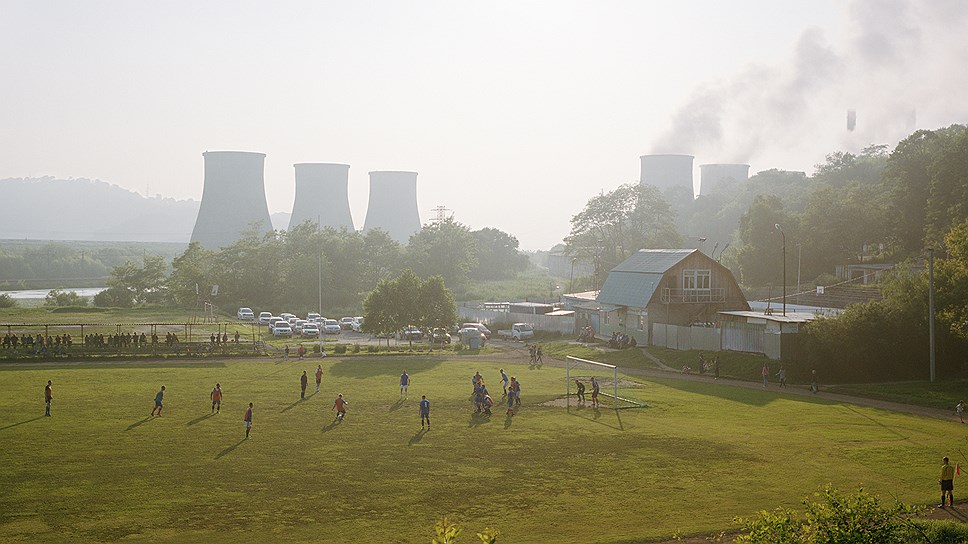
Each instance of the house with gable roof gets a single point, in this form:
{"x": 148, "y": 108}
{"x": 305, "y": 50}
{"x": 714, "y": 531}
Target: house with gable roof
{"x": 657, "y": 292}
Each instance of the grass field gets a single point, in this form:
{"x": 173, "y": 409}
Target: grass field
{"x": 702, "y": 453}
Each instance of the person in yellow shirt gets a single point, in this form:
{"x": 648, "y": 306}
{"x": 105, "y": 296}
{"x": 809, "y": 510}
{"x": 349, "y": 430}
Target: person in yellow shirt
{"x": 947, "y": 482}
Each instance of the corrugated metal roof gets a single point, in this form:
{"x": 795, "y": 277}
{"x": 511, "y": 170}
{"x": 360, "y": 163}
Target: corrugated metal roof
{"x": 629, "y": 288}
{"x": 632, "y": 282}
{"x": 653, "y": 261}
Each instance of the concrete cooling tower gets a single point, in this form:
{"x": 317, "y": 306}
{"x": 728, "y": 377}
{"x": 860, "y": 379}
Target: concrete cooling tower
{"x": 393, "y": 204}
{"x": 664, "y": 171}
{"x": 713, "y": 175}
{"x": 233, "y": 199}
{"x": 321, "y": 196}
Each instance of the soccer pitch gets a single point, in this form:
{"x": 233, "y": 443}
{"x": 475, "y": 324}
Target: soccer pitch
{"x": 101, "y": 470}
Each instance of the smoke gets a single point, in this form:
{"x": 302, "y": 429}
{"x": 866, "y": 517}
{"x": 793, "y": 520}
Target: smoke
{"x": 896, "y": 58}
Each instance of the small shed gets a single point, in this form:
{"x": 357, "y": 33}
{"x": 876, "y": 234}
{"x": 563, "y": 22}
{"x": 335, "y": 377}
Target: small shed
{"x": 756, "y": 332}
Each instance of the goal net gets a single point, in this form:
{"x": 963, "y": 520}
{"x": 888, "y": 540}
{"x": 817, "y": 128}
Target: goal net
{"x": 611, "y": 385}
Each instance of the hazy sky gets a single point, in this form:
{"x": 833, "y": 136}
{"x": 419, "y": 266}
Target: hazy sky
{"x": 513, "y": 113}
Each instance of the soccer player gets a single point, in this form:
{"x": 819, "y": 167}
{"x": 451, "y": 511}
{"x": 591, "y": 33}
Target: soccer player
{"x": 404, "y": 383}
{"x": 217, "y": 399}
{"x": 303, "y": 384}
{"x": 504, "y": 380}
{"x": 594, "y": 392}
{"x": 158, "y": 401}
{"x": 285, "y": 352}
{"x": 488, "y": 402}
{"x": 424, "y": 412}
{"x": 947, "y": 482}
{"x": 340, "y": 406}
{"x": 248, "y": 421}
{"x": 960, "y": 410}
{"x": 48, "y": 395}
{"x": 516, "y": 386}
{"x": 510, "y": 411}
{"x": 319, "y": 376}
{"x": 581, "y": 390}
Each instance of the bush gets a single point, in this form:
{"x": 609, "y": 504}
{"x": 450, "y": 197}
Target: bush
{"x": 835, "y": 517}
{"x": 371, "y": 349}
{"x": 56, "y": 298}
{"x": 356, "y": 348}
{"x": 339, "y": 349}
{"x": 7, "y": 301}
{"x": 114, "y": 297}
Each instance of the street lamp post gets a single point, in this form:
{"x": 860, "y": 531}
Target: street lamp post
{"x": 320, "y": 310}
{"x": 799, "y": 253}
{"x": 931, "y": 306}
{"x": 783, "y": 237}
{"x": 571, "y": 279}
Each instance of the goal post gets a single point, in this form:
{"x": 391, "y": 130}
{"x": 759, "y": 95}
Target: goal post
{"x": 577, "y": 368}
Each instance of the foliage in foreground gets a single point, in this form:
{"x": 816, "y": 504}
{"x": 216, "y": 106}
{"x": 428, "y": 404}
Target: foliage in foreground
{"x": 448, "y": 531}
{"x": 835, "y": 517}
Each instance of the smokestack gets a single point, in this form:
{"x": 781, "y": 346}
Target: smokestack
{"x": 393, "y": 204}
{"x": 664, "y": 171}
{"x": 233, "y": 198}
{"x": 712, "y": 175}
{"x": 321, "y": 195}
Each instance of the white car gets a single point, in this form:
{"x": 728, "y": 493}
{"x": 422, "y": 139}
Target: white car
{"x": 313, "y": 317}
{"x": 486, "y": 332}
{"x": 245, "y": 314}
{"x": 282, "y": 328}
{"x": 292, "y": 321}
{"x": 357, "y": 324}
{"x": 299, "y": 324}
{"x": 310, "y": 330}
{"x": 264, "y": 318}
{"x": 287, "y": 315}
{"x": 276, "y": 319}
{"x": 331, "y": 326}
{"x": 346, "y": 323}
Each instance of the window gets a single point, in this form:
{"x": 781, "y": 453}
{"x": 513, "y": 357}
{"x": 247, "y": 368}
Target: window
{"x": 606, "y": 318}
{"x": 641, "y": 324}
{"x": 694, "y": 280}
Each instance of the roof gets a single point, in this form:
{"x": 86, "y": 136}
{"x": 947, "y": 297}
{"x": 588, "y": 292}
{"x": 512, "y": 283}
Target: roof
{"x": 633, "y": 281}
{"x": 791, "y": 317}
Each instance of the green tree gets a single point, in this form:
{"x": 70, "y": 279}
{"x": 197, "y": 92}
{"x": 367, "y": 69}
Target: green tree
{"x": 6, "y": 301}
{"x": 759, "y": 258}
{"x": 145, "y": 283}
{"x": 407, "y": 300}
{"x": 616, "y": 224}
{"x": 951, "y": 281}
{"x": 191, "y": 272}
{"x": 57, "y": 298}
{"x": 446, "y": 248}
{"x": 497, "y": 255}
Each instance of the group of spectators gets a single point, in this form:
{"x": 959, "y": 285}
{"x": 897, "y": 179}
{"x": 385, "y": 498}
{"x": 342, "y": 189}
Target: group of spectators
{"x": 38, "y": 343}
{"x": 621, "y": 341}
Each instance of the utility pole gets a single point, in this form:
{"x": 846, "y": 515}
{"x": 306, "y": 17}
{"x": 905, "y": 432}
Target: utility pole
{"x": 783, "y": 236}
{"x": 931, "y": 306}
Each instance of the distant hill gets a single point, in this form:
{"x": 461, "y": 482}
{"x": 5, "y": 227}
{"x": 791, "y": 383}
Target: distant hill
{"x": 82, "y": 209}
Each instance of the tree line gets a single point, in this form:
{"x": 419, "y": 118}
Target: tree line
{"x": 295, "y": 269}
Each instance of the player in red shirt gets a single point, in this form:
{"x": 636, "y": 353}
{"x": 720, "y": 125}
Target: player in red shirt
{"x": 217, "y": 399}
{"x": 340, "y": 406}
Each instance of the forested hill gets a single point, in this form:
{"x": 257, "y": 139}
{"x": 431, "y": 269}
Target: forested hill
{"x": 81, "y": 209}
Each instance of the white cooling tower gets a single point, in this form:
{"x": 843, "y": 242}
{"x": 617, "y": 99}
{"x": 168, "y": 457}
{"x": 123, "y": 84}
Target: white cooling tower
{"x": 321, "y": 195}
{"x": 664, "y": 171}
{"x": 713, "y": 175}
{"x": 233, "y": 198}
{"x": 393, "y": 204}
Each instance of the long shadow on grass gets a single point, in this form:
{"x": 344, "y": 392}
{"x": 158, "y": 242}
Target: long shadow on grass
{"x": 139, "y": 422}
{"x": 874, "y": 421}
{"x": 381, "y": 366}
{"x": 417, "y": 437}
{"x": 332, "y": 425}
{"x": 758, "y": 396}
{"x": 396, "y": 405}
{"x": 595, "y": 416}
{"x": 198, "y": 420}
{"x": 21, "y": 423}
{"x": 478, "y": 419}
{"x": 958, "y": 516}
{"x": 176, "y": 363}
{"x": 297, "y": 403}
{"x": 229, "y": 449}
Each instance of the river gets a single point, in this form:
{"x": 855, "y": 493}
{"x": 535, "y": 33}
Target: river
{"x": 28, "y": 294}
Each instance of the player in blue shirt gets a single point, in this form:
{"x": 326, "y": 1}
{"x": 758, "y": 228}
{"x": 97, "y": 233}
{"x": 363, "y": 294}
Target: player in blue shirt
{"x": 504, "y": 380}
{"x": 158, "y": 401}
{"x": 424, "y": 412}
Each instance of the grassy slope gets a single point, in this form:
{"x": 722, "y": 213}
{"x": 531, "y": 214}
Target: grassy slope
{"x": 100, "y": 470}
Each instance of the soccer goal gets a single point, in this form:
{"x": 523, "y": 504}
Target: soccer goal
{"x": 607, "y": 376}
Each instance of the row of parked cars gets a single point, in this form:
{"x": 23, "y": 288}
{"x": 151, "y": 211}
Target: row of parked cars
{"x": 287, "y": 324}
